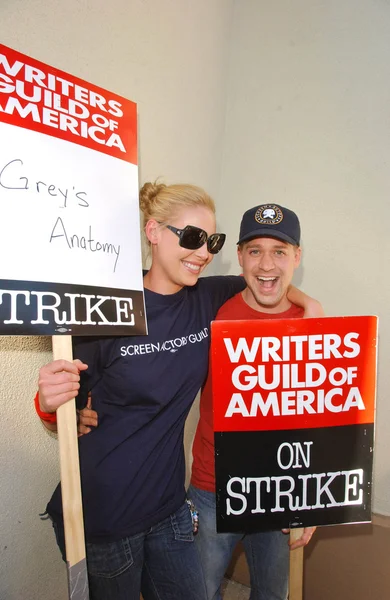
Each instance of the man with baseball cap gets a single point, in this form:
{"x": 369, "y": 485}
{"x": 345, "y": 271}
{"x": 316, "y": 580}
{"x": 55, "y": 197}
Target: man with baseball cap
{"x": 268, "y": 252}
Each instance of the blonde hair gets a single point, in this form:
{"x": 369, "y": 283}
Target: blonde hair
{"x": 162, "y": 202}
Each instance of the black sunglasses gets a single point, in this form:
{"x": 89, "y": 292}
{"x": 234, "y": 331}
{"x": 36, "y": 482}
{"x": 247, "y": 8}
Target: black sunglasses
{"x": 192, "y": 238}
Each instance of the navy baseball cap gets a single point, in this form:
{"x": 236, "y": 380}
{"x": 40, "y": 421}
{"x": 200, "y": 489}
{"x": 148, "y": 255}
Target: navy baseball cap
{"x": 270, "y": 220}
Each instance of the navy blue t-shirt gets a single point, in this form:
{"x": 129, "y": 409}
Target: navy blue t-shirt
{"x": 132, "y": 464}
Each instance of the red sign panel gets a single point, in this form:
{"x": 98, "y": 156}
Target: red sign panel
{"x": 44, "y": 99}
{"x": 293, "y": 373}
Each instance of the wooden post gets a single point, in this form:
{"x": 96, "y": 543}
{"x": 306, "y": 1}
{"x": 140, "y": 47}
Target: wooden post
{"x": 296, "y": 567}
{"x": 70, "y": 485}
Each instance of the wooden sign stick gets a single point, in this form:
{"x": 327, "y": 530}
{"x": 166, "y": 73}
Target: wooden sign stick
{"x": 70, "y": 485}
{"x": 296, "y": 568}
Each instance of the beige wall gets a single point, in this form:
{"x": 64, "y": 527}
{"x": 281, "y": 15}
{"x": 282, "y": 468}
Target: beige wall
{"x": 351, "y": 563}
{"x": 171, "y": 57}
{"x": 308, "y": 126}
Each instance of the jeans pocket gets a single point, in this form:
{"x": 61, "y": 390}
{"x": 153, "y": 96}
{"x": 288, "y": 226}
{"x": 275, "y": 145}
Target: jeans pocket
{"x": 181, "y": 522}
{"x": 109, "y": 559}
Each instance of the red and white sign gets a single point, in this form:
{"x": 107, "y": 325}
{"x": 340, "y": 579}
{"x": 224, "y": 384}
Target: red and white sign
{"x": 69, "y": 228}
{"x": 294, "y": 405}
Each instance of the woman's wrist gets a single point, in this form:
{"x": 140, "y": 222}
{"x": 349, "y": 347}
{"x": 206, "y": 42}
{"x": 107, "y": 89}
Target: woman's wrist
{"x": 45, "y": 416}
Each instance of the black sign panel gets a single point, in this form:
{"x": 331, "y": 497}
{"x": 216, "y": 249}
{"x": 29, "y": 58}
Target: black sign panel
{"x": 36, "y": 308}
{"x": 304, "y": 477}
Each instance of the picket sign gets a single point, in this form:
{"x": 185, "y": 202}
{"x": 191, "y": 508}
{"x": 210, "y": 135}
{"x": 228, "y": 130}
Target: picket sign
{"x": 296, "y": 567}
{"x": 68, "y": 164}
{"x": 283, "y": 391}
{"x": 71, "y": 485}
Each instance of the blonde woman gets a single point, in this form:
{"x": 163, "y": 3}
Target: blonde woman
{"x": 138, "y": 525}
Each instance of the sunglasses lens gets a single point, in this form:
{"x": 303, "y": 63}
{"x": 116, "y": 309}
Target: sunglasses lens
{"x": 216, "y": 242}
{"x": 192, "y": 237}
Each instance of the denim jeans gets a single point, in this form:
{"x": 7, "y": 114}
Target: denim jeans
{"x": 162, "y": 562}
{"x": 267, "y": 553}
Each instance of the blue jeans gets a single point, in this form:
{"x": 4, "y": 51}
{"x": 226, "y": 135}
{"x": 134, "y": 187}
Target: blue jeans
{"x": 267, "y": 553}
{"x": 162, "y": 562}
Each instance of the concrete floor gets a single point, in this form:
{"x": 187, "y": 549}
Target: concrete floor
{"x": 232, "y": 590}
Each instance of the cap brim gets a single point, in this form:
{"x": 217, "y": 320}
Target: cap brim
{"x": 278, "y": 235}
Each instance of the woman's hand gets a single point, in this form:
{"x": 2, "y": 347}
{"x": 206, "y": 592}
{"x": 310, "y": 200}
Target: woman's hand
{"x": 59, "y": 382}
{"x": 312, "y": 308}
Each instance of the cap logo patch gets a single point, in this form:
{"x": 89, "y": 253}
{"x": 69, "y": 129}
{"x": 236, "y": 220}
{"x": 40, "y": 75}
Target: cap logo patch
{"x": 269, "y": 214}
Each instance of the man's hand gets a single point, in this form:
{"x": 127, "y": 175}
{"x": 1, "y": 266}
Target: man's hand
{"x": 87, "y": 418}
{"x": 303, "y": 540}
